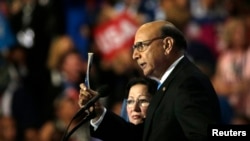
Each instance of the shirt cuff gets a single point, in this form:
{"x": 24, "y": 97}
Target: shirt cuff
{"x": 98, "y": 122}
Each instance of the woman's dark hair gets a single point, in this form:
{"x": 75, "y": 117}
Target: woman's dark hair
{"x": 150, "y": 83}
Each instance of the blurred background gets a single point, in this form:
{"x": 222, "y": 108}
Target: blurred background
{"x": 44, "y": 47}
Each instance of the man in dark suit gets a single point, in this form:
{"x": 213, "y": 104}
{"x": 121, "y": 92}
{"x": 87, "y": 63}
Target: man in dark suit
{"x": 185, "y": 103}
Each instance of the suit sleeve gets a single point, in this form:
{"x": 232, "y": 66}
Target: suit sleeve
{"x": 114, "y": 128}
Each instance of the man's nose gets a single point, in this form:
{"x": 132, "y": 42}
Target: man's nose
{"x": 135, "y": 55}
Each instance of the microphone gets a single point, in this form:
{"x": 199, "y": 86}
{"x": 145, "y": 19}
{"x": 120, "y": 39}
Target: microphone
{"x": 103, "y": 91}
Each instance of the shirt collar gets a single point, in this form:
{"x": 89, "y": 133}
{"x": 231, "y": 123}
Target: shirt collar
{"x": 169, "y": 70}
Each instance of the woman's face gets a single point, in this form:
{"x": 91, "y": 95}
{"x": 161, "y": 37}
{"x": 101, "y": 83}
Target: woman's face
{"x": 137, "y": 103}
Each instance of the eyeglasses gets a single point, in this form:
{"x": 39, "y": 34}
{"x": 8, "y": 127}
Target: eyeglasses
{"x": 142, "y": 102}
{"x": 142, "y": 46}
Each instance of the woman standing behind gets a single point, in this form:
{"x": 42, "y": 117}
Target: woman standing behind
{"x": 139, "y": 91}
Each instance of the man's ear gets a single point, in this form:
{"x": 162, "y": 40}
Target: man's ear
{"x": 168, "y": 43}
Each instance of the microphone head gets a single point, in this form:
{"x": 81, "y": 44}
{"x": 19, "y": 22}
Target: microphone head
{"x": 104, "y": 91}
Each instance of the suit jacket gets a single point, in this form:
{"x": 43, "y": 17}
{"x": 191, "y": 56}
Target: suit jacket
{"x": 182, "y": 108}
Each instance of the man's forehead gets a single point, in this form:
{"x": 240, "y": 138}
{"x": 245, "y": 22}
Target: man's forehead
{"x": 145, "y": 35}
